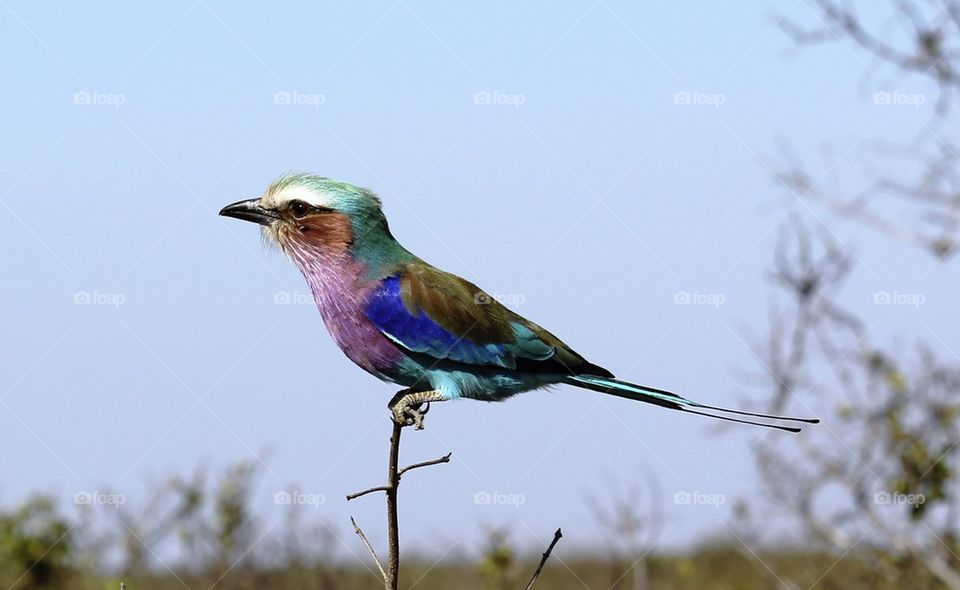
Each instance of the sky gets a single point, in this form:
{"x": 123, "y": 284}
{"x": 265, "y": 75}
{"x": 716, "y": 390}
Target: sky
{"x": 586, "y": 162}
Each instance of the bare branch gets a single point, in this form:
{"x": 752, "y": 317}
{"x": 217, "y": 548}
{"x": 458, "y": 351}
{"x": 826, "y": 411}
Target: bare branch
{"x": 385, "y": 488}
{"x": 546, "y": 555}
{"x": 356, "y": 495}
{"x": 443, "y": 459}
{"x": 392, "y": 572}
{"x": 369, "y": 547}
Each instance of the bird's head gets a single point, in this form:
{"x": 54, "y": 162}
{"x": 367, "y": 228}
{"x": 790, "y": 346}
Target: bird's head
{"x": 304, "y": 213}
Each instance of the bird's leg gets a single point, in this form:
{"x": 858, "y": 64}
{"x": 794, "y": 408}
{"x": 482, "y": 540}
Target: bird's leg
{"x": 405, "y": 406}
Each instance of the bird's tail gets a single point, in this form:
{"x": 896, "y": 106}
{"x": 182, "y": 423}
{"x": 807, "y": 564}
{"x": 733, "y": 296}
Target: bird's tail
{"x": 668, "y": 399}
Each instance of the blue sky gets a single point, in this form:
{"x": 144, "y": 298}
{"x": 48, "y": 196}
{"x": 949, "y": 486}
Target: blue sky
{"x": 539, "y": 149}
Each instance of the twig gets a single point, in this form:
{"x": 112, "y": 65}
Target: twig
{"x": 543, "y": 559}
{"x": 392, "y": 572}
{"x": 369, "y": 547}
{"x": 393, "y": 532}
{"x": 356, "y": 495}
{"x": 443, "y": 459}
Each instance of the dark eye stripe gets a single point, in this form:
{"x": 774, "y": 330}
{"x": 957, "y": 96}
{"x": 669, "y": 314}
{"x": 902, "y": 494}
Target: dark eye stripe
{"x": 301, "y": 209}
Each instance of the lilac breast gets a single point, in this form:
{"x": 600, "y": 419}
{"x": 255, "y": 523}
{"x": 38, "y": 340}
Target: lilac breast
{"x": 341, "y": 296}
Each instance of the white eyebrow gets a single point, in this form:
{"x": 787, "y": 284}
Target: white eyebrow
{"x": 296, "y": 193}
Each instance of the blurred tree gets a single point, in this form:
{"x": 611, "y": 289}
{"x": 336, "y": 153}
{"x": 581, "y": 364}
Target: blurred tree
{"x": 35, "y": 546}
{"x": 914, "y": 194}
{"x": 878, "y": 478}
{"x": 633, "y": 519}
{"x": 879, "y": 475}
{"x": 498, "y": 564}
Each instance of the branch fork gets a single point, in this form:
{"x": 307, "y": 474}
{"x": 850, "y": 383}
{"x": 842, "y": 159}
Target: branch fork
{"x": 391, "y": 573}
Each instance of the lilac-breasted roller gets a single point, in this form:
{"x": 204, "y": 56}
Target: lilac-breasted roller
{"x": 407, "y": 322}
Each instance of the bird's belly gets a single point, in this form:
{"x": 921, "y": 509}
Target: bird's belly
{"x": 340, "y": 299}
{"x": 361, "y": 342}
{"x": 454, "y": 380}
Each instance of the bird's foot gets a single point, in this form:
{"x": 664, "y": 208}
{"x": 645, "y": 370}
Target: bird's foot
{"x": 415, "y": 414}
{"x": 409, "y": 408}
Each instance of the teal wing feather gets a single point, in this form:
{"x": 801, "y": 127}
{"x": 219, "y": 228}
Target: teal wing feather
{"x": 434, "y": 313}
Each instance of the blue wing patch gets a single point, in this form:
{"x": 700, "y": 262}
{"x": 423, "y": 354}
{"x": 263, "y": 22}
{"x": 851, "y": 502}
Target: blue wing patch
{"x": 419, "y": 333}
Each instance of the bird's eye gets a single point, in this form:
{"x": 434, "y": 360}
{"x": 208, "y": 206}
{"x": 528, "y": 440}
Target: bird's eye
{"x": 299, "y": 209}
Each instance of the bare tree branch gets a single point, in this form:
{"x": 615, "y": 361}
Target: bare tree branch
{"x": 392, "y": 572}
{"x": 443, "y": 459}
{"x": 543, "y": 559}
{"x": 356, "y": 495}
{"x": 366, "y": 543}
{"x": 888, "y": 454}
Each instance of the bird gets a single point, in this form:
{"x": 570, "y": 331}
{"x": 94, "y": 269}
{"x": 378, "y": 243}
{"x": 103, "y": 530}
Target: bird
{"x": 406, "y": 322}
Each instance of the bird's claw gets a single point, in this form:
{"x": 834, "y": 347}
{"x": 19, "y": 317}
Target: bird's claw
{"x": 410, "y": 415}
{"x": 409, "y": 407}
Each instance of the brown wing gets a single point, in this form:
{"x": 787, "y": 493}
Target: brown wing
{"x": 466, "y": 311}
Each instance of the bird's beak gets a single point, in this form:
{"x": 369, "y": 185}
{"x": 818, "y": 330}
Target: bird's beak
{"x": 250, "y": 210}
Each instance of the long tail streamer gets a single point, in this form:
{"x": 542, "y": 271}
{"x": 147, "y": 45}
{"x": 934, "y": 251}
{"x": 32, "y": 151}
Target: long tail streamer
{"x": 668, "y": 399}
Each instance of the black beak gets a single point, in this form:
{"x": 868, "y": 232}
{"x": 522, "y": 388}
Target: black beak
{"x": 250, "y": 210}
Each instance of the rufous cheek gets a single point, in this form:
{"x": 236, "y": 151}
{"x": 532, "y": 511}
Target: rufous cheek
{"x": 325, "y": 230}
